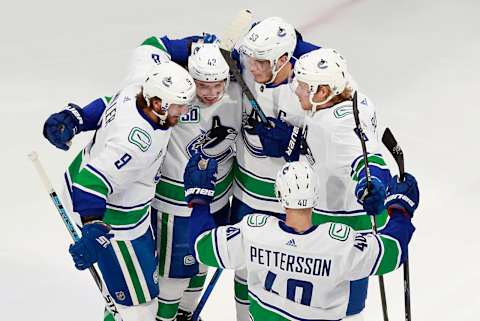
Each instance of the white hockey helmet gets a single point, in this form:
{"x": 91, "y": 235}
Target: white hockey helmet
{"x": 268, "y": 40}
{"x": 296, "y": 185}
{"x": 169, "y": 82}
{"x": 322, "y": 67}
{"x": 206, "y": 63}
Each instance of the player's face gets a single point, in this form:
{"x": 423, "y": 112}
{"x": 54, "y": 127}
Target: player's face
{"x": 302, "y": 91}
{"x": 260, "y": 69}
{"x": 209, "y": 92}
{"x": 175, "y": 111}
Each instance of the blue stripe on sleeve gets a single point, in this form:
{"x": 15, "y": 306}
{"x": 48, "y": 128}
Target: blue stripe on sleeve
{"x": 87, "y": 204}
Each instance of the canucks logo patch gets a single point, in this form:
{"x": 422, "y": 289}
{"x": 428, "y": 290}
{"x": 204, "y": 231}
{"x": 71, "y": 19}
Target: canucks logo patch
{"x": 257, "y": 220}
{"x": 342, "y": 111}
{"x": 217, "y": 142}
{"x": 339, "y": 232}
{"x": 140, "y": 138}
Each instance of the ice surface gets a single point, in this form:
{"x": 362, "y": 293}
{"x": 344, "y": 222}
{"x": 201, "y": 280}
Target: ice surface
{"x": 417, "y": 60}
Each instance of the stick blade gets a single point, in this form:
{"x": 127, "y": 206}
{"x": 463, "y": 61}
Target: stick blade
{"x": 394, "y": 148}
{"x": 237, "y": 28}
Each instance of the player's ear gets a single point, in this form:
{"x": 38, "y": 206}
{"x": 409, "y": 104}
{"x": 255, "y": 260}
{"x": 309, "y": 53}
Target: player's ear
{"x": 282, "y": 60}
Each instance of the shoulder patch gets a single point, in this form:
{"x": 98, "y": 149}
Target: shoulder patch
{"x": 232, "y": 232}
{"x": 140, "y": 138}
{"x": 343, "y": 111}
{"x": 339, "y": 232}
{"x": 257, "y": 220}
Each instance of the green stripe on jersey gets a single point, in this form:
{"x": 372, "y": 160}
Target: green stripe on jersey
{"x": 205, "y": 251}
{"x": 176, "y": 191}
{"x": 132, "y": 272}
{"x": 155, "y": 42}
{"x": 117, "y": 217}
{"x": 391, "y": 255}
{"x": 90, "y": 181}
{"x": 260, "y": 313}
{"x": 74, "y": 167}
{"x": 372, "y": 159}
{"x": 360, "y": 223}
{"x": 163, "y": 244}
{"x": 255, "y": 185}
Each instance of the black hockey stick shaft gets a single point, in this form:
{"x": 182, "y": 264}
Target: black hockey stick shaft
{"x": 238, "y": 77}
{"x": 361, "y": 136}
{"x": 394, "y": 148}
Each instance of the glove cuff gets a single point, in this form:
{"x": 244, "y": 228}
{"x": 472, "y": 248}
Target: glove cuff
{"x": 398, "y": 210}
{"x": 77, "y": 114}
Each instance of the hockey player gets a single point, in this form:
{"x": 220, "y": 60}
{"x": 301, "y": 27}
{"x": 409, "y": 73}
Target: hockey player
{"x": 297, "y": 270}
{"x": 267, "y": 54}
{"x": 111, "y": 183}
{"x": 331, "y": 146}
{"x": 209, "y": 128}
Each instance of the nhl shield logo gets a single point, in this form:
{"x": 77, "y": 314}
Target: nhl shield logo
{"x": 120, "y": 295}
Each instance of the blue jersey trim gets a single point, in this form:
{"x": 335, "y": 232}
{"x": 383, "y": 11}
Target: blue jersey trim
{"x": 290, "y": 230}
{"x": 96, "y": 171}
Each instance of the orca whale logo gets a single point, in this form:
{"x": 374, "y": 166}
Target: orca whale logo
{"x": 217, "y": 142}
{"x": 249, "y": 134}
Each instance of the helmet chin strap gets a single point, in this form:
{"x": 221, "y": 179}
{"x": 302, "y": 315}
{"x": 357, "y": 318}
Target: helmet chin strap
{"x": 316, "y": 104}
{"x": 162, "y": 118}
{"x": 275, "y": 72}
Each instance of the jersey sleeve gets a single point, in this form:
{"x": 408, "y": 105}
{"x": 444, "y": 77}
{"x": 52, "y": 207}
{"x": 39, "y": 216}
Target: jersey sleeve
{"x": 378, "y": 254}
{"x": 92, "y": 113}
{"x": 119, "y": 163}
{"x": 222, "y": 247}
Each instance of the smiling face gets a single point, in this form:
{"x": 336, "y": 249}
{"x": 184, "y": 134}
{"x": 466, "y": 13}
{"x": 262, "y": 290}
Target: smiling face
{"x": 209, "y": 92}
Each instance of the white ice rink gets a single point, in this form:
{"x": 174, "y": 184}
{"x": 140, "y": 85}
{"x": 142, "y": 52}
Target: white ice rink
{"x": 417, "y": 59}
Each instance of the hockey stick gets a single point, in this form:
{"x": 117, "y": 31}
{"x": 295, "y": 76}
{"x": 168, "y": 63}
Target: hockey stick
{"x": 206, "y": 294}
{"x": 394, "y": 148}
{"x": 71, "y": 229}
{"x": 227, "y": 42}
{"x": 361, "y": 135}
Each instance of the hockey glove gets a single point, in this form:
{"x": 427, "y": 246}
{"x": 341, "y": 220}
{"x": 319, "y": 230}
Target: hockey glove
{"x": 199, "y": 180}
{"x": 374, "y": 201}
{"x": 403, "y": 196}
{"x": 280, "y": 139}
{"x": 209, "y": 38}
{"x": 92, "y": 245}
{"x": 60, "y": 127}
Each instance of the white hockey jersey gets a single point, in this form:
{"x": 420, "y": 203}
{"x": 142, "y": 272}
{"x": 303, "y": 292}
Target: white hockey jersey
{"x": 330, "y": 146}
{"x": 255, "y": 173}
{"x": 122, "y": 165}
{"x": 297, "y": 276}
{"x": 212, "y": 131}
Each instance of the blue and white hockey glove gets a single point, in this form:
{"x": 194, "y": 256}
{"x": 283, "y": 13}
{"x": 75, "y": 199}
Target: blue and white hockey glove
{"x": 374, "y": 201}
{"x": 281, "y": 139}
{"x": 60, "y": 127}
{"x": 209, "y": 38}
{"x": 403, "y": 196}
{"x": 199, "y": 180}
{"x": 92, "y": 245}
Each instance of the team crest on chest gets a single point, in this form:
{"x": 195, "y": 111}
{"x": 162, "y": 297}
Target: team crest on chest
{"x": 249, "y": 135}
{"x": 217, "y": 142}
